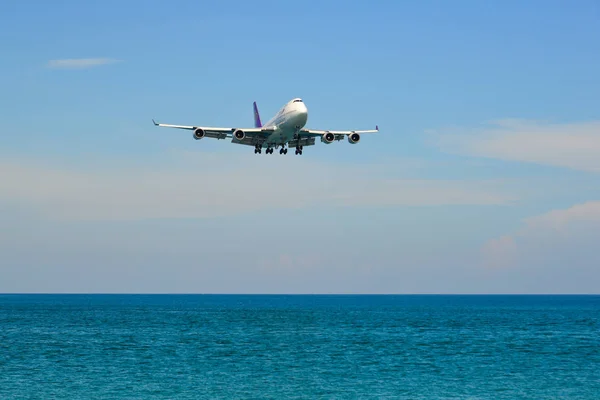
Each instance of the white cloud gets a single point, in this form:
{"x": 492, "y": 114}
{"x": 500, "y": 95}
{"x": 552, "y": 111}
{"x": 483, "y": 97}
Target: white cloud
{"x": 548, "y": 233}
{"x": 574, "y": 145}
{"x": 560, "y": 220}
{"x": 80, "y": 63}
{"x": 218, "y": 185}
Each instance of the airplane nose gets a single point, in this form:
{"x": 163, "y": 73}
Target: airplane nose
{"x": 303, "y": 114}
{"x": 304, "y": 110}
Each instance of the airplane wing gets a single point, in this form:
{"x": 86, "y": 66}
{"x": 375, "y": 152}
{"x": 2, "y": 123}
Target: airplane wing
{"x": 316, "y": 132}
{"x": 252, "y": 136}
{"x": 337, "y": 135}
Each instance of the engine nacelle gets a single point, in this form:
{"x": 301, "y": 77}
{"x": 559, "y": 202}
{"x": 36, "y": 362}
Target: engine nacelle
{"x": 353, "y": 138}
{"x": 239, "y": 134}
{"x": 199, "y": 134}
{"x": 328, "y": 138}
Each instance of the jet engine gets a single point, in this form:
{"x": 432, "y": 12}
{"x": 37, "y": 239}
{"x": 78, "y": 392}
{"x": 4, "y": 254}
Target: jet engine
{"x": 239, "y": 134}
{"x": 328, "y": 138}
{"x": 353, "y": 138}
{"x": 199, "y": 134}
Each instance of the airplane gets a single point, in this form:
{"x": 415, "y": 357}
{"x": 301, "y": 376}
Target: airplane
{"x": 287, "y": 127}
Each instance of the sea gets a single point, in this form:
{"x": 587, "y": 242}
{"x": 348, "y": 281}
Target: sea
{"x": 299, "y": 347}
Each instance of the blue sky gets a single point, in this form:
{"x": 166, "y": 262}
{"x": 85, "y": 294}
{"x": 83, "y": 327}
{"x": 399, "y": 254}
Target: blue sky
{"x": 485, "y": 177}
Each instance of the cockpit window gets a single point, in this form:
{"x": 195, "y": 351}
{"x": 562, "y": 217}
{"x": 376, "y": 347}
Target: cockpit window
{"x": 297, "y": 101}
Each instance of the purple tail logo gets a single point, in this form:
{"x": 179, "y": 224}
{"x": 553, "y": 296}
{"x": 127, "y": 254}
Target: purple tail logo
{"x": 257, "y": 123}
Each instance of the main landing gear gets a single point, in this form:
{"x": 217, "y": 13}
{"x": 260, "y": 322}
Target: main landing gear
{"x": 269, "y": 150}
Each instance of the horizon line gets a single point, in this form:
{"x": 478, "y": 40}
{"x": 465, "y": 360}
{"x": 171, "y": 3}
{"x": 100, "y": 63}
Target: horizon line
{"x": 292, "y": 294}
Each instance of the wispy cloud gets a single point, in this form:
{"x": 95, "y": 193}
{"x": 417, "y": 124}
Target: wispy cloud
{"x": 573, "y": 145}
{"x": 559, "y": 220}
{"x": 575, "y": 224}
{"x": 216, "y": 185}
{"x": 80, "y": 63}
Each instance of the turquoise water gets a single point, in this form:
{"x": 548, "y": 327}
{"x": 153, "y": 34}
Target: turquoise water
{"x": 209, "y": 346}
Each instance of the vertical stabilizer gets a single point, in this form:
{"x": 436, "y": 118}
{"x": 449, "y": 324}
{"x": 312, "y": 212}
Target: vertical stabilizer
{"x": 257, "y": 123}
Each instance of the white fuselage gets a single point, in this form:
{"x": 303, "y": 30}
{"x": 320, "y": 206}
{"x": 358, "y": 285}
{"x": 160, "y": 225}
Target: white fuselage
{"x": 287, "y": 122}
